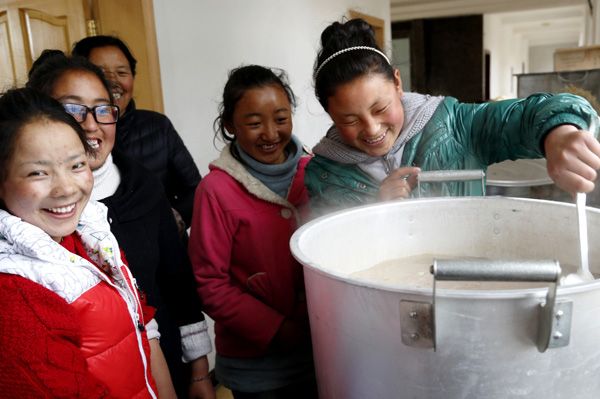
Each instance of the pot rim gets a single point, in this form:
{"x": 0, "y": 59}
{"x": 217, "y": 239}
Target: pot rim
{"x": 484, "y": 294}
{"x": 300, "y": 233}
{"x": 509, "y": 173}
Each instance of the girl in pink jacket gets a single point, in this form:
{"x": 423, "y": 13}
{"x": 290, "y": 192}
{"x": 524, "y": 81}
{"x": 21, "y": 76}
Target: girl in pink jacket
{"x": 245, "y": 211}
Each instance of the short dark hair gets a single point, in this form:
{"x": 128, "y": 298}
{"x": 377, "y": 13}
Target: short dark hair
{"x": 84, "y": 47}
{"x": 21, "y": 107}
{"x": 53, "y": 64}
{"x": 350, "y": 65}
{"x": 239, "y": 82}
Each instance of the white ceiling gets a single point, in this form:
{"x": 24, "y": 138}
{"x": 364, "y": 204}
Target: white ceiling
{"x": 402, "y": 10}
{"x": 540, "y": 22}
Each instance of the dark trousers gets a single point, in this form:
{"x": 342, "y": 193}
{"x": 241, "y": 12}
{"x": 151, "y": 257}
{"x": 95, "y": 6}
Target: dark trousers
{"x": 303, "y": 390}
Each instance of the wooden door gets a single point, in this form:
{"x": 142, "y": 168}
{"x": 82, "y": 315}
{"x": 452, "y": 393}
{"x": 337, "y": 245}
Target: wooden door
{"x": 133, "y": 22}
{"x": 27, "y": 27}
{"x": 378, "y": 25}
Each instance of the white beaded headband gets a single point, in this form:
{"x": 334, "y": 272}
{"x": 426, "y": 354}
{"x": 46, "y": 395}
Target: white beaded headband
{"x": 345, "y": 51}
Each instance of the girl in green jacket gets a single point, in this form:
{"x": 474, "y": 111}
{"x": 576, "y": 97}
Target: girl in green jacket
{"x": 383, "y": 137}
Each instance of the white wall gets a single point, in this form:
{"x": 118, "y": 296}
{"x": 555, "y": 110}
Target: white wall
{"x": 517, "y": 47}
{"x": 505, "y": 56}
{"x": 541, "y": 58}
{"x": 200, "y": 41}
{"x": 592, "y": 32}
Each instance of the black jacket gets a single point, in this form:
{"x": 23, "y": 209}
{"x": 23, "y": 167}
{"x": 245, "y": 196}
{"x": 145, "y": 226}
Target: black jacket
{"x": 142, "y": 220}
{"x": 151, "y": 139}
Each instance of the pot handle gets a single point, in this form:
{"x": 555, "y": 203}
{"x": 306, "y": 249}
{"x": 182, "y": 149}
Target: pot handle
{"x": 496, "y": 270}
{"x": 555, "y": 317}
{"x": 450, "y": 175}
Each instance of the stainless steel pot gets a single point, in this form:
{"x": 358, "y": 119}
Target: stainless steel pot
{"x": 486, "y": 342}
{"x": 526, "y": 178}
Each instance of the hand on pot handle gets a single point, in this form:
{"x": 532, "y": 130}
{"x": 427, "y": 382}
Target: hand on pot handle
{"x": 399, "y": 184}
{"x": 573, "y": 157}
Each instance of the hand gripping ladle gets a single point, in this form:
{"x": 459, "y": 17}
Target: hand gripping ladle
{"x": 583, "y": 272}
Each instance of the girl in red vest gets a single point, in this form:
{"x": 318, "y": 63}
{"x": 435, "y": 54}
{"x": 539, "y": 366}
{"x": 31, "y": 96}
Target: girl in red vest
{"x": 73, "y": 323}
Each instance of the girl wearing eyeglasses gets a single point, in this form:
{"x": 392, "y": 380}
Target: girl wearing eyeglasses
{"x": 141, "y": 219}
{"x": 146, "y": 136}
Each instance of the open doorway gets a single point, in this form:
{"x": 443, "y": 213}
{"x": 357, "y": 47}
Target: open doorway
{"x": 445, "y": 56}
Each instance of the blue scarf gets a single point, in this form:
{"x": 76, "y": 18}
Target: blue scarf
{"x": 278, "y": 178}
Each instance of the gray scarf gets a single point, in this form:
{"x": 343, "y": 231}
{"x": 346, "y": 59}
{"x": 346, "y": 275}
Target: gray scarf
{"x": 418, "y": 110}
{"x": 277, "y": 177}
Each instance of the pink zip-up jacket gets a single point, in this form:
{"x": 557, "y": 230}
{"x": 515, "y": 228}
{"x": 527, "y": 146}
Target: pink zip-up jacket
{"x": 247, "y": 278}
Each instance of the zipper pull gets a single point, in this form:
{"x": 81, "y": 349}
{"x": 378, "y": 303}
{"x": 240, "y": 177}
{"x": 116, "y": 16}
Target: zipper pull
{"x": 140, "y": 325}
{"x": 386, "y": 164}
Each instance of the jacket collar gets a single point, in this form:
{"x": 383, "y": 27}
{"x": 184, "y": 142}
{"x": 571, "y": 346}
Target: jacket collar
{"x": 126, "y": 120}
{"x": 27, "y": 251}
{"x": 236, "y": 170}
{"x": 139, "y": 192}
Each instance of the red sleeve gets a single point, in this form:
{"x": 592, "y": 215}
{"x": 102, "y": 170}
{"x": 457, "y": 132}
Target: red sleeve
{"x": 147, "y": 310}
{"x": 40, "y": 342}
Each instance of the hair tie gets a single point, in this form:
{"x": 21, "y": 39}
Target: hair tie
{"x": 345, "y": 51}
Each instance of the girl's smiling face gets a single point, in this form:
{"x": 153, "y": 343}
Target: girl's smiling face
{"x": 262, "y": 123}
{"x": 48, "y": 179}
{"x": 82, "y": 87}
{"x": 368, "y": 113}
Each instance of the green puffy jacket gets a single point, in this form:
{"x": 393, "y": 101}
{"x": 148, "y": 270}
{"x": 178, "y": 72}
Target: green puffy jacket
{"x": 459, "y": 136}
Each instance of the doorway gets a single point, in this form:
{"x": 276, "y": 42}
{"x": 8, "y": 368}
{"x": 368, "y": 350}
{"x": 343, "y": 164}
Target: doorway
{"x": 446, "y": 56}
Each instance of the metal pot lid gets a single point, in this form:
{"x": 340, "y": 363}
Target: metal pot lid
{"x": 519, "y": 173}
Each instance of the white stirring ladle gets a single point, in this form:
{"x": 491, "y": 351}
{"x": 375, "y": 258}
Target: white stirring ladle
{"x": 583, "y": 272}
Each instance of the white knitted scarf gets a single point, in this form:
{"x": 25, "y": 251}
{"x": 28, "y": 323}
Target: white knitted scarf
{"x": 106, "y": 180}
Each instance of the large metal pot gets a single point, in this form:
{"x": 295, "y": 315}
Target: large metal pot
{"x": 525, "y": 178}
{"x": 484, "y": 344}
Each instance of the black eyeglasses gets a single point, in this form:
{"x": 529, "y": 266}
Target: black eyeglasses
{"x": 104, "y": 114}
